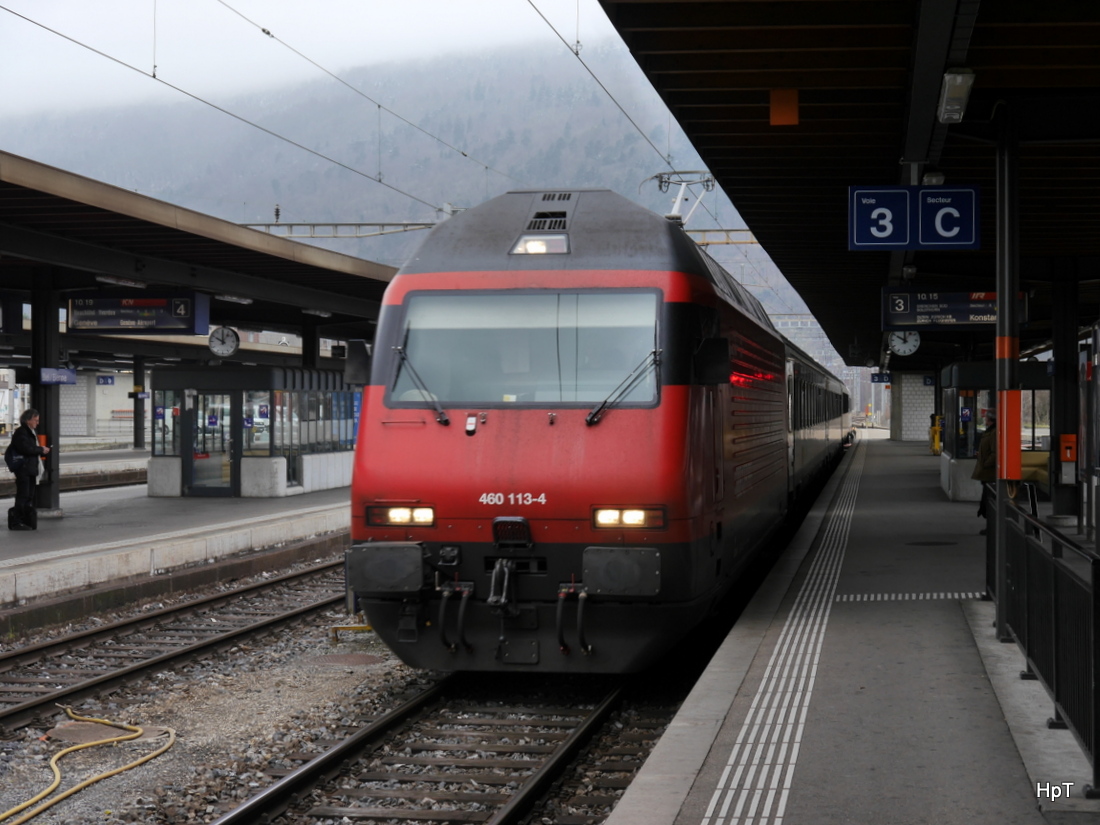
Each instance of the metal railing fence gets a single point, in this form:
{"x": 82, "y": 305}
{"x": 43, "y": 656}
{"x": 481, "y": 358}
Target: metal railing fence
{"x": 1052, "y": 610}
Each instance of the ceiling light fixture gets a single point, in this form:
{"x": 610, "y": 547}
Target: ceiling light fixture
{"x": 111, "y": 279}
{"x": 233, "y": 299}
{"x": 320, "y": 313}
{"x": 954, "y": 95}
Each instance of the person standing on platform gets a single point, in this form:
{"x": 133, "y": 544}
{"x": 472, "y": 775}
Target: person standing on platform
{"x": 25, "y": 451}
{"x": 985, "y": 469}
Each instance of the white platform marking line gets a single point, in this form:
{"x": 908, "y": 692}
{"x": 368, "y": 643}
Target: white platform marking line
{"x": 967, "y": 595}
{"x": 766, "y": 748}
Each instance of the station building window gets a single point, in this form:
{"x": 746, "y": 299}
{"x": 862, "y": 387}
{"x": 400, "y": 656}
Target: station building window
{"x": 269, "y": 422}
{"x": 967, "y": 394}
{"x": 256, "y": 423}
{"x": 166, "y": 429}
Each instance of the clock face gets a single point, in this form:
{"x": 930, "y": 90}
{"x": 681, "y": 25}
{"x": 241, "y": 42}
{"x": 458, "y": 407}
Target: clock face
{"x": 224, "y": 341}
{"x": 904, "y": 343}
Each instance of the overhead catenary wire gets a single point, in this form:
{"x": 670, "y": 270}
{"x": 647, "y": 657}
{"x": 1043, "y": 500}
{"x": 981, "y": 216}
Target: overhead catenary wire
{"x": 587, "y": 68}
{"x": 363, "y": 95}
{"x": 666, "y": 157}
{"x": 222, "y": 109}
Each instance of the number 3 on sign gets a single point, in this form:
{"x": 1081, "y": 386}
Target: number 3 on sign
{"x": 885, "y": 220}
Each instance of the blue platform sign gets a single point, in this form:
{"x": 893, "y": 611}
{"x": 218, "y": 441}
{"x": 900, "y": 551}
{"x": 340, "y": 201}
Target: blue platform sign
{"x": 880, "y": 377}
{"x": 913, "y": 217}
{"x": 51, "y": 375}
{"x": 948, "y": 218}
{"x": 105, "y": 380}
{"x": 879, "y": 218}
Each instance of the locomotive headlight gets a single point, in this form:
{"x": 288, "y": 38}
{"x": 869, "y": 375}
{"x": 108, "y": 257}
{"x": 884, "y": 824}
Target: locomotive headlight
{"x": 619, "y": 517}
{"x": 608, "y": 518}
{"x": 387, "y": 516}
{"x": 541, "y": 245}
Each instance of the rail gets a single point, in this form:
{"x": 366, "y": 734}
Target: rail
{"x": 34, "y": 678}
{"x": 1052, "y": 610}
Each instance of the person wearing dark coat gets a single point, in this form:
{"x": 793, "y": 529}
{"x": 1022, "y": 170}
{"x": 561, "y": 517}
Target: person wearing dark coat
{"x": 985, "y": 468}
{"x": 24, "y": 442}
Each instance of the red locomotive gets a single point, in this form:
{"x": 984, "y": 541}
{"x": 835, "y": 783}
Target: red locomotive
{"x": 578, "y": 431}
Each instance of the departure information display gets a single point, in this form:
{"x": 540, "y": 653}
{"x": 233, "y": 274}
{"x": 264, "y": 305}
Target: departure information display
{"x": 179, "y": 313}
{"x": 919, "y": 309}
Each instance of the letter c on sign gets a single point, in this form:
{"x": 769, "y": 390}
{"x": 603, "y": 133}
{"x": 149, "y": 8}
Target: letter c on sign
{"x": 940, "y": 229}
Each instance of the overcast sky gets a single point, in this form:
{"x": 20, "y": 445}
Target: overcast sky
{"x": 209, "y": 48}
{"x": 60, "y": 56}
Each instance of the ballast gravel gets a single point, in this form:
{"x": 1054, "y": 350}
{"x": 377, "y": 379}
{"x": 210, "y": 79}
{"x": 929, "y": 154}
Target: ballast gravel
{"x": 247, "y": 710}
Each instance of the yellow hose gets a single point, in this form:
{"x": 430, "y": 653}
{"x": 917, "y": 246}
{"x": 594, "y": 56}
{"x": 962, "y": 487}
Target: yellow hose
{"x": 136, "y": 732}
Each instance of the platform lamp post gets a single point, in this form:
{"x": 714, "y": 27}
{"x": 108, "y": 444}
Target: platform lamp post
{"x": 138, "y": 395}
{"x": 45, "y": 352}
{"x": 1007, "y": 348}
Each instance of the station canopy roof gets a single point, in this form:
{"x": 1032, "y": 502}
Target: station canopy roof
{"x": 866, "y": 77}
{"x": 84, "y": 234}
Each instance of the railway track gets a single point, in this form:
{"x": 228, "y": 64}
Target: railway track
{"x": 33, "y": 679}
{"x": 449, "y": 755}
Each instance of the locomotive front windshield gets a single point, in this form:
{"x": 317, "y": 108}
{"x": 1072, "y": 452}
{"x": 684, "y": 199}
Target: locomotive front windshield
{"x": 527, "y": 349}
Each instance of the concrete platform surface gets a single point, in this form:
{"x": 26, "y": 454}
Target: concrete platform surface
{"x": 864, "y": 684}
{"x": 116, "y": 533}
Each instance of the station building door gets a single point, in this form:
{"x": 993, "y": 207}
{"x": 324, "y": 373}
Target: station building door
{"x": 212, "y": 467}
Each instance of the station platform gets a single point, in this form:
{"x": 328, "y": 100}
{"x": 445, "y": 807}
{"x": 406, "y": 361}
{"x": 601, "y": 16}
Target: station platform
{"x": 86, "y": 468}
{"x": 113, "y": 536}
{"x": 864, "y": 682}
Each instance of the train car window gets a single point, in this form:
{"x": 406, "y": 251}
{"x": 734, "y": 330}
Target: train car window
{"x": 519, "y": 348}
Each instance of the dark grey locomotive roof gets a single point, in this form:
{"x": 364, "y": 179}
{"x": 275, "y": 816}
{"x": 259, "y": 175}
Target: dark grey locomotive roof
{"x": 606, "y": 231}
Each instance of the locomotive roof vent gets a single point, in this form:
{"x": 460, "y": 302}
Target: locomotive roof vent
{"x": 557, "y": 196}
{"x": 547, "y": 222}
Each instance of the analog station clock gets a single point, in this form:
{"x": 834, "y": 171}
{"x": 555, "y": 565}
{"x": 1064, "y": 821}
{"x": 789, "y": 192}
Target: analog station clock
{"x": 224, "y": 341}
{"x": 903, "y": 343}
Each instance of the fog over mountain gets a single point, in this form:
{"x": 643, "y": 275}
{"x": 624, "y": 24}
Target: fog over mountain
{"x": 527, "y": 118}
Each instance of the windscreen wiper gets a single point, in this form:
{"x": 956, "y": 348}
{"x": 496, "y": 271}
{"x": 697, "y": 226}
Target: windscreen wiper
{"x": 440, "y": 415}
{"x": 651, "y": 360}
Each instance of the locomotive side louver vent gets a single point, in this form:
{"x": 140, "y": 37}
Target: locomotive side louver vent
{"x": 547, "y": 221}
{"x": 557, "y": 196}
